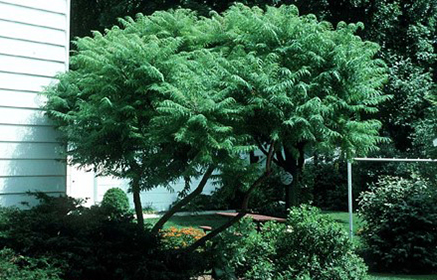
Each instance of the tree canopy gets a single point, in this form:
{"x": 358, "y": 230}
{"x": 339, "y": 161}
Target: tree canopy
{"x": 406, "y": 31}
{"x": 174, "y": 95}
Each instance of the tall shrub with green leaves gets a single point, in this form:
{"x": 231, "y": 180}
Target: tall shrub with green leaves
{"x": 400, "y": 225}
{"x": 309, "y": 246}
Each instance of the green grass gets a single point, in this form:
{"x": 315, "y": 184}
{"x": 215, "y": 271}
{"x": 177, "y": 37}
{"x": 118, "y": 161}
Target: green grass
{"x": 192, "y": 221}
{"x": 341, "y": 217}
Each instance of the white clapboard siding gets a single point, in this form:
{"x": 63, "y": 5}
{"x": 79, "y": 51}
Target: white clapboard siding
{"x": 30, "y": 66}
{"x": 32, "y": 16}
{"x": 32, "y": 50}
{"x": 18, "y": 116}
{"x": 26, "y": 134}
{"x": 34, "y": 46}
{"x": 32, "y": 33}
{"x": 17, "y": 168}
{"x": 55, "y": 6}
{"x": 21, "y": 99}
{"x": 25, "y": 184}
{"x": 18, "y": 199}
{"x": 30, "y": 151}
{"x": 15, "y": 82}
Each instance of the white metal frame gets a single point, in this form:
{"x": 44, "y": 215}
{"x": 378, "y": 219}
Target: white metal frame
{"x": 349, "y": 181}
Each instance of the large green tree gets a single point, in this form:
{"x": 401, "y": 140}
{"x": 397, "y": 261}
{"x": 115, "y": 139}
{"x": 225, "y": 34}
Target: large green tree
{"x": 173, "y": 96}
{"x": 405, "y": 29}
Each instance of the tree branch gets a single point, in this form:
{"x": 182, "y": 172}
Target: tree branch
{"x": 244, "y": 206}
{"x": 178, "y": 206}
{"x": 265, "y": 152}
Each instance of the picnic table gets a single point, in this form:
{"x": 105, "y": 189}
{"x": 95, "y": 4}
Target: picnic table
{"x": 256, "y": 217}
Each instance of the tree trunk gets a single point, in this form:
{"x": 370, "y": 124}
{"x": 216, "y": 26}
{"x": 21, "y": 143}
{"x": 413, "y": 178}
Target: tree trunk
{"x": 137, "y": 202}
{"x": 178, "y": 206}
{"x": 294, "y": 167}
{"x": 289, "y": 164}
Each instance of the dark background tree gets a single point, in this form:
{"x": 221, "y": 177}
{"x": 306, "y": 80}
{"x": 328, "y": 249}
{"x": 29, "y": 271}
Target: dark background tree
{"x": 88, "y": 15}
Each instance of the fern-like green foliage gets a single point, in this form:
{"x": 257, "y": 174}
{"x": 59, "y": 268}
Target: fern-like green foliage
{"x": 307, "y": 83}
{"x": 164, "y": 96}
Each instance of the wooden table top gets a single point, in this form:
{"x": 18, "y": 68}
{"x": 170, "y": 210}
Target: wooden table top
{"x": 255, "y": 217}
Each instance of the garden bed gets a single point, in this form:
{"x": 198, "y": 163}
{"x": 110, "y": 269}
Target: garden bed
{"x": 341, "y": 217}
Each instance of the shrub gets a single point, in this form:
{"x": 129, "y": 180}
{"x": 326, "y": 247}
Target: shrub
{"x": 175, "y": 238}
{"x": 14, "y": 267}
{"x": 400, "y": 225}
{"x": 317, "y": 247}
{"x": 241, "y": 251}
{"x": 115, "y": 201}
{"x": 88, "y": 244}
{"x": 308, "y": 246}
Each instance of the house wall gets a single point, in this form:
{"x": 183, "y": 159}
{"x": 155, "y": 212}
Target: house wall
{"x": 34, "y": 42}
{"x": 82, "y": 184}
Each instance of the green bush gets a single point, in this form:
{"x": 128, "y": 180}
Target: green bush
{"x": 87, "y": 243}
{"x": 15, "y": 267}
{"x": 314, "y": 245}
{"x": 400, "y": 225}
{"x": 115, "y": 201}
{"x": 242, "y": 251}
{"x": 308, "y": 246}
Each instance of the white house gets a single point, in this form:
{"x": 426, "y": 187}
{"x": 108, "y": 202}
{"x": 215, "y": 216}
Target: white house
{"x": 85, "y": 185}
{"x": 34, "y": 46}
{"x": 34, "y": 42}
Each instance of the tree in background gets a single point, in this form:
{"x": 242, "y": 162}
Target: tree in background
{"x": 406, "y": 31}
{"x": 96, "y": 15}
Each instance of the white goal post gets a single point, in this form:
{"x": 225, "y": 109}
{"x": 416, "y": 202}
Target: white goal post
{"x": 349, "y": 181}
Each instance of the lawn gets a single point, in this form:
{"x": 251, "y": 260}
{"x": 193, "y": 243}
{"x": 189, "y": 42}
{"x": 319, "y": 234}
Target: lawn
{"x": 192, "y": 221}
{"x": 341, "y": 217}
